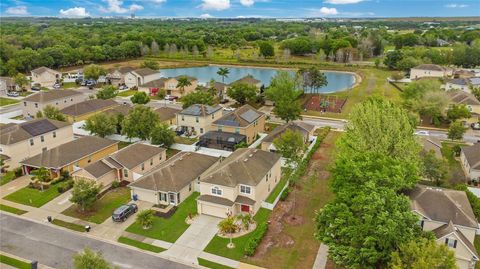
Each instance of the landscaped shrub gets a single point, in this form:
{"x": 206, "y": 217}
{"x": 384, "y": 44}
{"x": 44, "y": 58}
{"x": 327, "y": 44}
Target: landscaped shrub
{"x": 18, "y": 172}
{"x": 115, "y": 184}
{"x": 64, "y": 186}
{"x": 255, "y": 239}
{"x": 284, "y": 194}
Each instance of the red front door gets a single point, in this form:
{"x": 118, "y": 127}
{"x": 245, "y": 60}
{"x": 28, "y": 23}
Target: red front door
{"x": 246, "y": 208}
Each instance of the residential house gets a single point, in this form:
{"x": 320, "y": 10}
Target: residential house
{"x": 7, "y": 84}
{"x": 86, "y": 109}
{"x": 116, "y": 76}
{"x": 239, "y": 183}
{"x": 167, "y": 115}
{"x": 430, "y": 70}
{"x": 197, "y": 119}
{"x": 249, "y": 80}
{"x": 56, "y": 98}
{"x": 461, "y": 84}
{"x": 129, "y": 164}
{"x": 71, "y": 156}
{"x": 305, "y": 129}
{"x": 21, "y": 141}
{"x": 174, "y": 180}
{"x": 170, "y": 85}
{"x": 220, "y": 88}
{"x": 141, "y": 76}
{"x": 449, "y": 216}
{"x": 244, "y": 120}
{"x": 463, "y": 73}
{"x": 470, "y": 159}
{"x": 45, "y": 76}
{"x": 467, "y": 99}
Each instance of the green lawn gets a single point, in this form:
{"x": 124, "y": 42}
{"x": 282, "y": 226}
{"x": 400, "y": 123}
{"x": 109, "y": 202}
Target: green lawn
{"x": 212, "y": 265}
{"x": 476, "y": 243}
{"x": 103, "y": 208}
{"x": 140, "y": 245}
{"x": 7, "y": 101}
{"x": 68, "y": 85}
{"x": 276, "y": 191}
{"x": 455, "y": 172}
{"x": 33, "y": 197}
{"x": 218, "y": 245}
{"x": 269, "y": 127}
{"x": 123, "y": 144}
{"x": 172, "y": 228}
{"x": 126, "y": 93}
{"x": 12, "y": 209}
{"x": 14, "y": 262}
{"x": 7, "y": 177}
{"x": 69, "y": 225}
{"x": 171, "y": 152}
{"x": 185, "y": 140}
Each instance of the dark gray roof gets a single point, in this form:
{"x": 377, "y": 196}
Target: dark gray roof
{"x": 449, "y": 228}
{"x": 175, "y": 173}
{"x": 244, "y": 166}
{"x": 215, "y": 200}
{"x": 244, "y": 200}
{"x": 69, "y": 152}
{"x": 52, "y": 95}
{"x": 475, "y": 81}
{"x": 166, "y": 113}
{"x": 135, "y": 154}
{"x": 43, "y": 69}
{"x": 248, "y": 79}
{"x": 119, "y": 110}
{"x": 303, "y": 128}
{"x": 12, "y": 133}
{"x": 145, "y": 72}
{"x": 88, "y": 106}
{"x": 200, "y": 110}
{"x": 461, "y": 97}
{"x": 223, "y": 136}
{"x": 98, "y": 169}
{"x": 240, "y": 117}
{"x": 157, "y": 83}
{"x": 472, "y": 154}
{"x": 459, "y": 81}
{"x": 443, "y": 205}
{"x": 434, "y": 67}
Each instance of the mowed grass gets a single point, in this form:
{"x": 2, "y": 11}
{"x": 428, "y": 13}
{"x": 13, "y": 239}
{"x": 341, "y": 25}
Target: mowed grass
{"x": 14, "y": 262}
{"x": 103, "y": 207}
{"x": 69, "y": 85}
{"x": 185, "y": 140}
{"x": 172, "y": 228}
{"x": 140, "y": 245}
{"x": 7, "y": 177}
{"x": 7, "y": 101}
{"x": 276, "y": 191}
{"x": 69, "y": 225}
{"x": 126, "y": 93}
{"x": 212, "y": 265}
{"x": 12, "y": 210}
{"x": 33, "y": 197}
{"x": 218, "y": 245}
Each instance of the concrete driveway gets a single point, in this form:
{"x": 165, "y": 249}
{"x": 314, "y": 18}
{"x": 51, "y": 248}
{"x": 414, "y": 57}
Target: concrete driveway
{"x": 192, "y": 242}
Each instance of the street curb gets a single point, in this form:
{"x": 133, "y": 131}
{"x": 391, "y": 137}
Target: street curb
{"x": 323, "y": 118}
{"x": 432, "y": 128}
{"x": 41, "y": 266}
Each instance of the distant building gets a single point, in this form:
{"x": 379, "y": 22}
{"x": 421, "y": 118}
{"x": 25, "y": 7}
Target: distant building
{"x": 249, "y": 80}
{"x": 167, "y": 115}
{"x": 170, "y": 85}
{"x": 56, "y": 98}
{"x": 430, "y": 70}
{"x": 7, "y": 84}
{"x": 141, "y": 76}
{"x": 305, "y": 129}
{"x": 45, "y": 76}
{"x": 86, "y": 109}
{"x": 470, "y": 159}
{"x": 116, "y": 76}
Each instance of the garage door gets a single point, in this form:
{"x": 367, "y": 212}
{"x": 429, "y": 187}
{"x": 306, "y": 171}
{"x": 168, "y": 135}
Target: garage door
{"x": 215, "y": 211}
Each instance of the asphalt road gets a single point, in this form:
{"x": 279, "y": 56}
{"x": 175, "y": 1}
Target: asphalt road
{"x": 55, "y": 247}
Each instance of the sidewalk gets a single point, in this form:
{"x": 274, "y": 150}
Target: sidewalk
{"x": 322, "y": 256}
{"x": 14, "y": 185}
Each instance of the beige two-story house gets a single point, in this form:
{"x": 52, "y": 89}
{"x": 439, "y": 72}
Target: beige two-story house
{"x": 470, "y": 160}
{"x": 141, "y": 76}
{"x": 197, "y": 119}
{"x": 430, "y": 71}
{"x": 21, "y": 141}
{"x": 239, "y": 183}
{"x": 116, "y": 76}
{"x": 45, "y": 76}
{"x": 449, "y": 216}
{"x": 56, "y": 98}
{"x": 127, "y": 164}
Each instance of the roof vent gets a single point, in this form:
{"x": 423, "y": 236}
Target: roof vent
{"x": 251, "y": 155}
{"x": 245, "y": 160}
{"x": 172, "y": 164}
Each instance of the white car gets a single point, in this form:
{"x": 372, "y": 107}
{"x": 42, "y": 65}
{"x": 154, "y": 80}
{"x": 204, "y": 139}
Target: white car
{"x": 426, "y": 133}
{"x": 228, "y": 108}
{"x": 13, "y": 94}
{"x": 56, "y": 85}
{"x": 123, "y": 87}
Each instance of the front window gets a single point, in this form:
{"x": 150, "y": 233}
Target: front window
{"x": 54, "y": 134}
{"x": 36, "y": 105}
{"x": 42, "y": 139}
{"x": 24, "y": 103}
{"x": 89, "y": 159}
{"x": 196, "y": 119}
{"x": 151, "y": 161}
{"x": 245, "y": 189}
{"x": 125, "y": 172}
{"x": 183, "y": 118}
{"x": 217, "y": 191}
{"x": 451, "y": 243}
{"x": 31, "y": 142}
{"x": 143, "y": 166}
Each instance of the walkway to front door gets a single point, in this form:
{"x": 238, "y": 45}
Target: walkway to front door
{"x": 192, "y": 242}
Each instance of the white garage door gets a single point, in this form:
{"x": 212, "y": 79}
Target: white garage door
{"x": 215, "y": 211}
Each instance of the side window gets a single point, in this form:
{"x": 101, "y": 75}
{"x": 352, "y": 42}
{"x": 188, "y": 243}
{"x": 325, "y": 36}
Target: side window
{"x": 54, "y": 134}
{"x": 42, "y": 139}
{"x": 125, "y": 172}
{"x": 31, "y": 142}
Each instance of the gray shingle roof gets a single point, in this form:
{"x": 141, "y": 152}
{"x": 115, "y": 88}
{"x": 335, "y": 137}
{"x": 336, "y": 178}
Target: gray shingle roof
{"x": 240, "y": 117}
{"x": 176, "y": 173}
{"x": 303, "y": 128}
{"x": 88, "y": 106}
{"x": 13, "y": 133}
{"x": 459, "y": 81}
{"x": 98, "y": 169}
{"x": 135, "y": 154}
{"x": 443, "y": 205}
{"x": 248, "y": 79}
{"x": 472, "y": 154}
{"x": 119, "y": 110}
{"x": 43, "y": 69}
{"x": 215, "y": 200}
{"x": 461, "y": 97}
{"x": 166, "y": 113}
{"x": 244, "y": 166}
{"x": 434, "y": 67}
{"x": 52, "y": 95}
{"x": 145, "y": 72}
{"x": 69, "y": 152}
{"x": 200, "y": 110}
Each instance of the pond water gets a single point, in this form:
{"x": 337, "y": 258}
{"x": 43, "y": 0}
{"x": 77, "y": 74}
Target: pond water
{"x": 337, "y": 81}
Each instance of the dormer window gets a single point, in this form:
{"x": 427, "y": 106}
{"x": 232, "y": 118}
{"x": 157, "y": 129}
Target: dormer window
{"x": 217, "y": 191}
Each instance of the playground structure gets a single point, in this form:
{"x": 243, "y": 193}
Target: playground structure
{"x": 325, "y": 103}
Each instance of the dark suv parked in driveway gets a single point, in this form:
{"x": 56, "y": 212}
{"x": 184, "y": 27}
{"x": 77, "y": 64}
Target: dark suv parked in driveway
{"x": 122, "y": 213}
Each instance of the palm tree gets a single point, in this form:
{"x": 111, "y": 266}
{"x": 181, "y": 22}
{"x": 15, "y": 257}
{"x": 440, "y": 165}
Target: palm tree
{"x": 183, "y": 82}
{"x": 145, "y": 218}
{"x": 228, "y": 226}
{"x": 42, "y": 175}
{"x": 223, "y": 72}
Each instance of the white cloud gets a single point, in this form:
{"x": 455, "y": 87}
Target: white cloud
{"x": 206, "y": 16}
{"x": 18, "y": 10}
{"x": 215, "y": 4}
{"x": 328, "y": 11}
{"x": 135, "y": 7}
{"x": 74, "y": 12}
{"x": 342, "y": 2}
{"x": 115, "y": 6}
{"x": 155, "y": 1}
{"x": 247, "y": 3}
{"x": 456, "y": 6}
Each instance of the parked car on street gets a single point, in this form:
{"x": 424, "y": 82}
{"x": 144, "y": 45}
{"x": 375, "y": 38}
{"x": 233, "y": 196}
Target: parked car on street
{"x": 56, "y": 85}
{"x": 123, "y": 212}
{"x": 426, "y": 133}
{"x": 35, "y": 88}
{"x": 475, "y": 126}
{"x": 13, "y": 94}
{"x": 224, "y": 101}
{"x": 171, "y": 97}
{"x": 123, "y": 87}
{"x": 228, "y": 108}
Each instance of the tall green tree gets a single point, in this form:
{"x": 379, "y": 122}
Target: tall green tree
{"x": 456, "y": 112}
{"x": 456, "y": 131}
{"x": 140, "y": 98}
{"x": 242, "y": 92}
{"x": 291, "y": 146}
{"x": 223, "y": 72}
{"x": 101, "y": 125}
{"x": 284, "y": 91}
{"x": 197, "y": 97}
{"x": 312, "y": 78}
{"x": 51, "y": 112}
{"x": 21, "y": 80}
{"x": 163, "y": 135}
{"x": 84, "y": 193}
{"x": 183, "y": 82}
{"x": 150, "y": 64}
{"x": 140, "y": 122}
{"x": 87, "y": 259}
{"x": 107, "y": 92}
{"x": 434, "y": 169}
{"x": 94, "y": 71}
{"x": 266, "y": 49}
{"x": 41, "y": 174}
{"x": 423, "y": 253}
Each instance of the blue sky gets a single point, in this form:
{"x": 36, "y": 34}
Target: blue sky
{"x": 241, "y": 8}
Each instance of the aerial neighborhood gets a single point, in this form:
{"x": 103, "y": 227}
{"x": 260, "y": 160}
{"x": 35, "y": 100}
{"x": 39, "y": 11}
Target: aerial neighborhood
{"x": 242, "y": 142}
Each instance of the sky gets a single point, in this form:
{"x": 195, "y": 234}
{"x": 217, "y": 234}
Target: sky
{"x": 241, "y": 8}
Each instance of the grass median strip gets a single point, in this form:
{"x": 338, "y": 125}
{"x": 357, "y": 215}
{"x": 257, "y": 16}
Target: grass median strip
{"x": 140, "y": 245}
{"x": 212, "y": 265}
{"x": 14, "y": 262}
{"x": 12, "y": 210}
{"x": 69, "y": 225}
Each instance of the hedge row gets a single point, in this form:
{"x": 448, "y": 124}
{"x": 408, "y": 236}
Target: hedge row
{"x": 255, "y": 239}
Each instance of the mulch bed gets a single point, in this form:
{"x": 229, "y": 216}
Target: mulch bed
{"x": 325, "y": 103}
